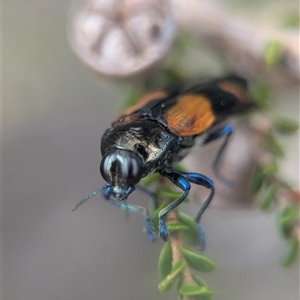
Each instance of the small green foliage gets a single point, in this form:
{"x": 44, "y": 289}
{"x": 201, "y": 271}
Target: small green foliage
{"x": 199, "y": 280}
{"x": 261, "y": 94}
{"x": 269, "y": 197}
{"x": 266, "y": 177}
{"x": 286, "y": 126}
{"x": 170, "y": 279}
{"x": 273, "y": 145}
{"x": 195, "y": 290}
{"x": 273, "y": 53}
{"x": 291, "y": 20}
{"x": 170, "y": 76}
{"x": 178, "y": 226}
{"x": 270, "y": 169}
{"x": 288, "y": 217}
{"x": 256, "y": 180}
{"x": 197, "y": 261}
{"x": 165, "y": 260}
{"x": 179, "y": 167}
{"x": 190, "y": 237}
{"x": 291, "y": 252}
{"x": 167, "y": 192}
{"x": 147, "y": 181}
{"x": 131, "y": 100}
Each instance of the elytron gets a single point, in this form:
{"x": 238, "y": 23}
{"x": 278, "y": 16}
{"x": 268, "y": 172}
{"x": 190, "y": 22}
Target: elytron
{"x": 159, "y": 130}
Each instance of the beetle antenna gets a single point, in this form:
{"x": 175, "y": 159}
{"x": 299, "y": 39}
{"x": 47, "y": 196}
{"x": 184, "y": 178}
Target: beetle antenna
{"x": 88, "y": 197}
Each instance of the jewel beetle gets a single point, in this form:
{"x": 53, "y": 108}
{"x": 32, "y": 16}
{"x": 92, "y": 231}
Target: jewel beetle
{"x": 159, "y": 130}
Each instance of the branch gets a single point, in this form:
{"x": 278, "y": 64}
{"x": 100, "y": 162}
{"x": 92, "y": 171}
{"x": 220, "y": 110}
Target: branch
{"x": 240, "y": 41}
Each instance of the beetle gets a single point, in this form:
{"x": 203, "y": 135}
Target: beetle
{"x": 159, "y": 130}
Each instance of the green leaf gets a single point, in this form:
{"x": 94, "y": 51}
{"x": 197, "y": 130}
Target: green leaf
{"x": 199, "y": 280}
{"x": 131, "y": 100}
{"x": 170, "y": 279}
{"x": 291, "y": 19}
{"x": 165, "y": 260}
{"x": 178, "y": 226}
{"x": 256, "y": 180}
{"x": 147, "y": 181}
{"x": 179, "y": 167}
{"x": 195, "y": 290}
{"x": 291, "y": 253}
{"x": 261, "y": 94}
{"x": 273, "y": 53}
{"x": 286, "y": 125}
{"x": 288, "y": 216}
{"x": 270, "y": 169}
{"x": 190, "y": 236}
{"x": 269, "y": 196}
{"x": 197, "y": 261}
{"x": 167, "y": 192}
{"x": 273, "y": 145}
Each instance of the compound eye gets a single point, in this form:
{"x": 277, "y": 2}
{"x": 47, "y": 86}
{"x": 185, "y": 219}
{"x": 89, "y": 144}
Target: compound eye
{"x": 135, "y": 170}
{"x": 121, "y": 168}
{"x": 105, "y": 168}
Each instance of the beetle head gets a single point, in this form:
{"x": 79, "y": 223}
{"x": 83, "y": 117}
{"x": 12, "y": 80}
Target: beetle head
{"x": 122, "y": 170}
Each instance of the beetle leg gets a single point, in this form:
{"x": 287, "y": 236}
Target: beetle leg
{"x": 181, "y": 182}
{"x": 149, "y": 193}
{"x": 206, "y": 182}
{"x": 136, "y": 209}
{"x": 225, "y": 131}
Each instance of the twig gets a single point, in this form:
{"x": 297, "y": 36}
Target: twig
{"x": 240, "y": 41}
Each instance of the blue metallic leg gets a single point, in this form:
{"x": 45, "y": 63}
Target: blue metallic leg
{"x": 149, "y": 193}
{"x": 181, "y": 182}
{"x": 206, "y": 182}
{"x": 225, "y": 131}
{"x": 133, "y": 208}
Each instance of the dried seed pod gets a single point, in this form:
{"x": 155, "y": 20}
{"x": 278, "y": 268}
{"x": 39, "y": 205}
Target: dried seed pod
{"x": 120, "y": 38}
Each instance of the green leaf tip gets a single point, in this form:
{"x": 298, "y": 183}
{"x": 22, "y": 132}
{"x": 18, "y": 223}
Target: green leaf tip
{"x": 261, "y": 94}
{"x": 256, "y": 180}
{"x": 274, "y": 146}
{"x": 177, "y": 226}
{"x": 195, "y": 290}
{"x": 269, "y": 197}
{"x": 291, "y": 253}
{"x": 167, "y": 192}
{"x": 170, "y": 279}
{"x": 147, "y": 181}
{"x": 286, "y": 125}
{"x": 288, "y": 216}
{"x": 190, "y": 236}
{"x": 197, "y": 261}
{"x": 273, "y": 54}
{"x": 131, "y": 100}
{"x": 270, "y": 169}
{"x": 199, "y": 280}
{"x": 165, "y": 260}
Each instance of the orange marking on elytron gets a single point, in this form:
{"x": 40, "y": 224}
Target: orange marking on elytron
{"x": 126, "y": 119}
{"x": 233, "y": 89}
{"x": 151, "y": 96}
{"x": 191, "y": 115}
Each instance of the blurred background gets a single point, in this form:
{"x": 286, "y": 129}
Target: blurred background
{"x": 54, "y": 114}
